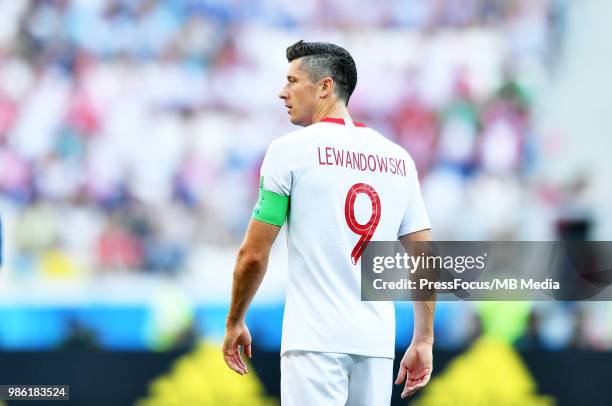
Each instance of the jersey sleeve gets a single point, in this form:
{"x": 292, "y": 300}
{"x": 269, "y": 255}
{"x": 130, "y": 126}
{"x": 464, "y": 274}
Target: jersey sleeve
{"x": 415, "y": 217}
{"x": 274, "y": 186}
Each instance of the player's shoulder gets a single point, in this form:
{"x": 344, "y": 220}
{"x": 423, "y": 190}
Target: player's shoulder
{"x": 291, "y": 145}
{"x": 390, "y": 146}
{"x": 292, "y": 139}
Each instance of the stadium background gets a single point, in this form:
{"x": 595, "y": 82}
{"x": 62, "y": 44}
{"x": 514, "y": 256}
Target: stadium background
{"x": 131, "y": 134}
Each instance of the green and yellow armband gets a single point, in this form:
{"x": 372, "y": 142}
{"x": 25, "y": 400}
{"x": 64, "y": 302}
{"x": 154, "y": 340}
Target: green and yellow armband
{"x": 271, "y": 207}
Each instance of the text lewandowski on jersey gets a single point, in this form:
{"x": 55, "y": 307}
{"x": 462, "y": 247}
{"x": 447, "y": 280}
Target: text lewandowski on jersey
{"x": 360, "y": 161}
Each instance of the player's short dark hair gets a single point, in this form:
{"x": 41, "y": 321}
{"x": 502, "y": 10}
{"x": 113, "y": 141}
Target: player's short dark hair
{"x": 322, "y": 59}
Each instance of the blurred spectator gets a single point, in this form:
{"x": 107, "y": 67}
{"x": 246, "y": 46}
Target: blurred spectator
{"x": 118, "y": 248}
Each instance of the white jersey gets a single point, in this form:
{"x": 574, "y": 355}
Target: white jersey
{"x": 346, "y": 185}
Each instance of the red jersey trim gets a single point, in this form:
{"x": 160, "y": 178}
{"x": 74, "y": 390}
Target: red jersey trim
{"x": 339, "y": 121}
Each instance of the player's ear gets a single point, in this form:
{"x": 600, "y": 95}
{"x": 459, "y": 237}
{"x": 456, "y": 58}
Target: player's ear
{"x": 326, "y": 87}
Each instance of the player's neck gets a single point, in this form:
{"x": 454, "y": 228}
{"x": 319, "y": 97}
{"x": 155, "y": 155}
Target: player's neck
{"x": 336, "y": 110}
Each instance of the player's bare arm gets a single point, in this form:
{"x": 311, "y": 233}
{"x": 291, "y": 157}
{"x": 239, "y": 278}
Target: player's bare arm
{"x": 249, "y": 271}
{"x": 417, "y": 364}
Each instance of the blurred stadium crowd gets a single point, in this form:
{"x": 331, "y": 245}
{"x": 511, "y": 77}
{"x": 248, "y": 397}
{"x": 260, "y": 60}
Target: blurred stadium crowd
{"x": 131, "y": 131}
{"x": 123, "y": 121}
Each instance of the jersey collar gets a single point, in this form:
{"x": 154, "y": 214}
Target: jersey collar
{"x": 339, "y": 121}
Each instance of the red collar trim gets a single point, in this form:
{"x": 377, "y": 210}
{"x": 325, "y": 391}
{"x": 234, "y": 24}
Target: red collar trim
{"x": 339, "y": 121}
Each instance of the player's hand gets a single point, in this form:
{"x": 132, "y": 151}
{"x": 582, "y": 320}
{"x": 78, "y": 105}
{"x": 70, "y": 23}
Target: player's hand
{"x": 237, "y": 335}
{"x": 415, "y": 367}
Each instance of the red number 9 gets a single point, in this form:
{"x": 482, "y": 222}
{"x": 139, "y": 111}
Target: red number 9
{"x": 366, "y": 231}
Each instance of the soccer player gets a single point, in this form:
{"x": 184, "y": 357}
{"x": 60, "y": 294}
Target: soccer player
{"x": 339, "y": 185}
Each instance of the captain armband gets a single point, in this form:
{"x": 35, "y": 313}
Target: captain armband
{"x": 271, "y": 207}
